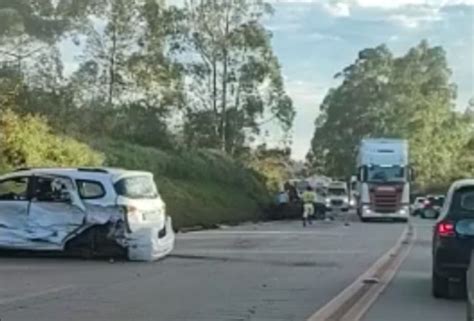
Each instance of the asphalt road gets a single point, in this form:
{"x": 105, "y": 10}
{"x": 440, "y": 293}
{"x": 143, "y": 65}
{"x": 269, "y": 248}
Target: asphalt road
{"x": 269, "y": 271}
{"x": 408, "y": 297}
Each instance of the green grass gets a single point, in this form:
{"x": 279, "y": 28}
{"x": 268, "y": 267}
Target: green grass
{"x": 200, "y": 187}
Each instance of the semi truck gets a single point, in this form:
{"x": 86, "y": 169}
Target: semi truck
{"x": 383, "y": 180}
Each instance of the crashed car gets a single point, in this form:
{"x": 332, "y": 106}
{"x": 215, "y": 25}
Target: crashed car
{"x": 91, "y": 211}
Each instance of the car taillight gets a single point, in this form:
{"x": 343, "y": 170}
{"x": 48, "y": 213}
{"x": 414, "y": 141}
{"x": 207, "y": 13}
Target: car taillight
{"x": 445, "y": 229}
{"x": 132, "y": 216}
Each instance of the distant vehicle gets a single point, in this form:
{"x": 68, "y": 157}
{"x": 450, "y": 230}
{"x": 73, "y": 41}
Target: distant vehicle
{"x": 92, "y": 211}
{"x": 383, "y": 179}
{"x": 431, "y": 207}
{"x": 453, "y": 238}
{"x": 337, "y": 197}
{"x": 418, "y": 205}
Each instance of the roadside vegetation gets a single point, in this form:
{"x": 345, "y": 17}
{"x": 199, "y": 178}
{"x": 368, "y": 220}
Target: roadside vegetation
{"x": 411, "y": 97}
{"x": 184, "y": 92}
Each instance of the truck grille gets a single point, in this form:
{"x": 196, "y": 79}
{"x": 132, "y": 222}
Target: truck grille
{"x": 336, "y": 202}
{"x": 385, "y": 200}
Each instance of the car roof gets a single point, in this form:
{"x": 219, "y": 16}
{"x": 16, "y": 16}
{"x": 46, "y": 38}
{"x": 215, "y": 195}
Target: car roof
{"x": 462, "y": 183}
{"x": 79, "y": 172}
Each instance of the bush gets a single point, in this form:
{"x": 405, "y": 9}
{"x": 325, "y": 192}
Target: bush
{"x": 201, "y": 187}
{"x": 28, "y": 141}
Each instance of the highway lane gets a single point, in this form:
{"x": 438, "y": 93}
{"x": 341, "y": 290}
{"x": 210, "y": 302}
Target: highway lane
{"x": 408, "y": 297}
{"x": 270, "y": 271}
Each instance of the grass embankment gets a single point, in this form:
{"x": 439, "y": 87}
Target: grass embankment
{"x": 200, "y": 188}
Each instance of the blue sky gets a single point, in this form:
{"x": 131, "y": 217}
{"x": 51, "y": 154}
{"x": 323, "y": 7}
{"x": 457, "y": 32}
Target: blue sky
{"x": 314, "y": 39}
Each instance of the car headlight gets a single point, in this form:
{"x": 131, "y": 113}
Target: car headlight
{"x": 403, "y": 211}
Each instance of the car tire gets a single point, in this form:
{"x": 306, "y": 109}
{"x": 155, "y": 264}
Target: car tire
{"x": 439, "y": 286}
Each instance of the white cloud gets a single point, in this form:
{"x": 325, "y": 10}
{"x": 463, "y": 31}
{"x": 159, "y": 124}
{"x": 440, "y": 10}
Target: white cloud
{"x": 338, "y": 9}
{"x": 386, "y": 4}
{"x": 413, "y": 21}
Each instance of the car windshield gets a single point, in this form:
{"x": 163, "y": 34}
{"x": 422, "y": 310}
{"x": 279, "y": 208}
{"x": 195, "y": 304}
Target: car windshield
{"x": 137, "y": 187}
{"x": 337, "y": 191}
{"x": 386, "y": 174}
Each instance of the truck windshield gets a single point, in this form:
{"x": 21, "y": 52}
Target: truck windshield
{"x": 386, "y": 174}
{"x": 337, "y": 191}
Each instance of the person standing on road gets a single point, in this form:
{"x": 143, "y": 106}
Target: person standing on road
{"x": 308, "y": 205}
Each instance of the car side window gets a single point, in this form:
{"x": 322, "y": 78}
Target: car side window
{"x": 50, "y": 189}
{"x": 89, "y": 189}
{"x": 14, "y": 189}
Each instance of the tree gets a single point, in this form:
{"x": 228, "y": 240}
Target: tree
{"x": 408, "y": 97}
{"x": 234, "y": 77}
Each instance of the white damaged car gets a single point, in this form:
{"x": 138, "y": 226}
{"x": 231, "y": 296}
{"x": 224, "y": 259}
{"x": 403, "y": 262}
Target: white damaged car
{"x": 88, "y": 211}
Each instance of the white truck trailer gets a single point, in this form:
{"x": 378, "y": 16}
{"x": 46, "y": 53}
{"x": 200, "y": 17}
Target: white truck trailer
{"x": 383, "y": 180}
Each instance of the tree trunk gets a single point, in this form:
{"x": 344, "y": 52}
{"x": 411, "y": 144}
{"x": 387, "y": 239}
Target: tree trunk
{"x": 112, "y": 65}
{"x": 225, "y": 58}
{"x": 214, "y": 97}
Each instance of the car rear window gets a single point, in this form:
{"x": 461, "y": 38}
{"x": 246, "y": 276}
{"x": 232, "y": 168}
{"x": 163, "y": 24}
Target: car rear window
{"x": 463, "y": 202}
{"x": 136, "y": 187}
{"x": 90, "y": 189}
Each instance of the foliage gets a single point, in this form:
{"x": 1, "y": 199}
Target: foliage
{"x": 28, "y": 141}
{"x": 274, "y": 165}
{"x": 201, "y": 187}
{"x": 235, "y": 78}
{"x": 407, "y": 97}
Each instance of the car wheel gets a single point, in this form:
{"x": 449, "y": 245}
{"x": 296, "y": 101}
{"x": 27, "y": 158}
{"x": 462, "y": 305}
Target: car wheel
{"x": 439, "y": 286}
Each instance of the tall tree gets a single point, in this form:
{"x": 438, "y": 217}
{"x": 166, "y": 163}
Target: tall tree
{"x": 234, "y": 77}
{"x": 407, "y": 97}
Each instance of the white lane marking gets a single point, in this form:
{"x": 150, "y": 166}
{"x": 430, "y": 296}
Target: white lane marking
{"x": 270, "y": 252}
{"x": 359, "y": 310}
{"x": 338, "y": 301}
{"x": 34, "y": 295}
{"x": 258, "y": 233}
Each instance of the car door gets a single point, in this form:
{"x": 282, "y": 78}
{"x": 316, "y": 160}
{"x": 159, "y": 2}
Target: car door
{"x": 56, "y": 210}
{"x": 14, "y": 202}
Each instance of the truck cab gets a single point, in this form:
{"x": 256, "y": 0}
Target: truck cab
{"x": 383, "y": 179}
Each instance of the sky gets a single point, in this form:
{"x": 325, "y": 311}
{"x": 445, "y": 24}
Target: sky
{"x": 315, "y": 39}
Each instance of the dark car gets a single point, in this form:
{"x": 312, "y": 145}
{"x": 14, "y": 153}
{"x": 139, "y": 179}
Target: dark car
{"x": 453, "y": 238}
{"x": 432, "y": 207}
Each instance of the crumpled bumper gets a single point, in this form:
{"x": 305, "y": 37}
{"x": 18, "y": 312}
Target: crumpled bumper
{"x": 147, "y": 245}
